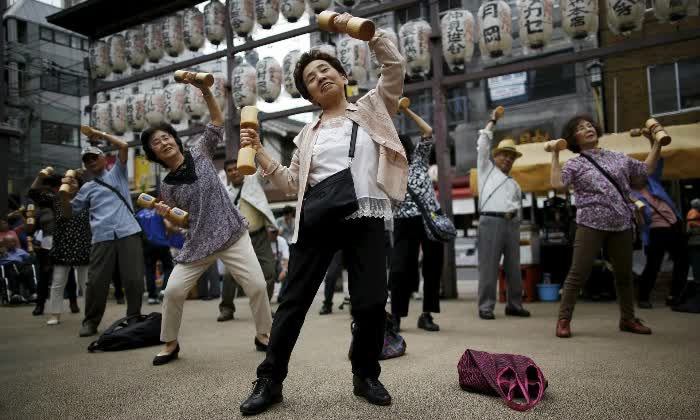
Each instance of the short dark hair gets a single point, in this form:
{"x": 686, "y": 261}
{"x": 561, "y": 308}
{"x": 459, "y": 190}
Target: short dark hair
{"x": 230, "y": 162}
{"x": 569, "y": 131}
{"x": 288, "y": 210}
{"x": 407, "y": 144}
{"x": 146, "y": 140}
{"x": 52, "y": 181}
{"x": 304, "y": 61}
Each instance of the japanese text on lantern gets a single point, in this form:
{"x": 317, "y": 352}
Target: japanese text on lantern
{"x": 533, "y": 15}
{"x": 624, "y": 7}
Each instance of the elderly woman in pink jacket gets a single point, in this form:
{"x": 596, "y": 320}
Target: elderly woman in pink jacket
{"x": 348, "y": 147}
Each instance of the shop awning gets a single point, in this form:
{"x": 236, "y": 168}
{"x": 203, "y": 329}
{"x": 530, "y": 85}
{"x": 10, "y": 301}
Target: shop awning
{"x": 682, "y": 157}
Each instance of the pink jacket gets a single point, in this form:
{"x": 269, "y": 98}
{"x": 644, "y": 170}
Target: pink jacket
{"x": 372, "y": 112}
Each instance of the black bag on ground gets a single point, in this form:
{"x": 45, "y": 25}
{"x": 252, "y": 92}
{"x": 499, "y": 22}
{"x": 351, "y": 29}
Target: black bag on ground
{"x": 130, "y": 332}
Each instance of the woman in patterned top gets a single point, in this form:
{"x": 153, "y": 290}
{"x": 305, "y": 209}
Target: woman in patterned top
{"x": 216, "y": 229}
{"x": 604, "y": 216}
{"x": 410, "y": 236}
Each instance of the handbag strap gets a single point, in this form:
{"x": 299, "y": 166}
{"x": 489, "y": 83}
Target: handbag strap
{"x": 653, "y": 207}
{"x": 608, "y": 177}
{"x": 353, "y": 140}
{"x": 121, "y": 197}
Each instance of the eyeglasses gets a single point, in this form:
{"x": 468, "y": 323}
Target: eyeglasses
{"x": 157, "y": 141}
{"x": 584, "y": 126}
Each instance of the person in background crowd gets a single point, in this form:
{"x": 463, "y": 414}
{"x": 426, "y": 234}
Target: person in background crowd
{"x": 280, "y": 249}
{"x": 17, "y": 269}
{"x": 209, "y": 285}
{"x": 156, "y": 248}
{"x": 693, "y": 219}
{"x": 662, "y": 232}
{"x": 247, "y": 195}
{"x": 334, "y": 272}
{"x": 500, "y": 208}
{"x": 286, "y": 223}
{"x": 215, "y": 230}
{"x": 116, "y": 235}
{"x": 379, "y": 171}
{"x": 604, "y": 216}
{"x": 410, "y": 237}
{"x": 6, "y": 232}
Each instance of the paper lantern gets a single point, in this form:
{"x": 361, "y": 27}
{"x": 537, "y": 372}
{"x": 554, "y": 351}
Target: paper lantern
{"x": 319, "y": 6}
{"x": 288, "y": 65}
{"x": 136, "y": 112}
{"x": 269, "y": 78}
{"x": 100, "y": 114}
{"x": 117, "y": 53}
{"x": 99, "y": 59}
{"x": 457, "y": 32}
{"x": 135, "y": 42}
{"x": 292, "y": 10}
{"x": 117, "y": 110}
{"x": 267, "y": 12}
{"x": 195, "y": 105}
{"x": 579, "y": 18}
{"x": 175, "y": 102}
{"x": 154, "y": 41}
{"x": 214, "y": 21}
{"x": 353, "y": 55}
{"x": 219, "y": 89}
{"x": 155, "y": 107}
{"x": 193, "y": 29}
{"x": 242, "y": 14}
{"x": 327, "y": 49}
{"x": 414, "y": 37}
{"x": 625, "y": 16}
{"x": 671, "y": 10}
{"x": 173, "y": 39}
{"x": 535, "y": 21}
{"x": 495, "y": 38}
{"x": 375, "y": 67}
{"x": 244, "y": 84}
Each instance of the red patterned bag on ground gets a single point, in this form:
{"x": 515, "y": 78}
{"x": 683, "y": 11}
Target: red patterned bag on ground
{"x": 510, "y": 376}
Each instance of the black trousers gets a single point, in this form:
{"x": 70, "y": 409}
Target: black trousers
{"x": 45, "y": 275}
{"x": 362, "y": 243}
{"x": 662, "y": 240}
{"x": 151, "y": 255}
{"x": 329, "y": 281}
{"x": 409, "y": 237}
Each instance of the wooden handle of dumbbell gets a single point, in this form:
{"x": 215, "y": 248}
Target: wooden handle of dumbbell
{"x": 66, "y": 188}
{"x": 658, "y": 131}
{"x": 499, "y": 112}
{"x": 552, "y": 145}
{"x": 175, "y": 215}
{"x": 423, "y": 126}
{"x": 362, "y": 29}
{"x": 90, "y": 132}
{"x": 46, "y": 171}
{"x": 184, "y": 76}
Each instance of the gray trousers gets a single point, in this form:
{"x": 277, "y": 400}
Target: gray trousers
{"x": 499, "y": 236}
{"x": 104, "y": 256}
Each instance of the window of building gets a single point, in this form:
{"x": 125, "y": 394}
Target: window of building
{"x": 21, "y": 78}
{"x": 66, "y": 83}
{"x": 21, "y": 31}
{"x": 673, "y": 87}
{"x": 61, "y": 38}
{"x": 75, "y": 42}
{"x": 85, "y": 45}
{"x": 46, "y": 34}
{"x": 532, "y": 85}
{"x": 61, "y": 134}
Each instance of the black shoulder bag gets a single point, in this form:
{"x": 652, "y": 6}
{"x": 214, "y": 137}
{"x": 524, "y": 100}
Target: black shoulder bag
{"x": 334, "y": 198}
{"x": 438, "y": 227}
{"x": 637, "y": 233}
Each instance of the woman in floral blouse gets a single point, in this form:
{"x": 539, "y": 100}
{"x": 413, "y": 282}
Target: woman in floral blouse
{"x": 604, "y": 216}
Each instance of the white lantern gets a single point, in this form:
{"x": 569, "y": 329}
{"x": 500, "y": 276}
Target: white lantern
{"x": 353, "y": 55}
{"x": 117, "y": 53}
{"x": 625, "y": 16}
{"x": 136, "y": 112}
{"x": 173, "y": 40}
{"x": 195, "y": 105}
{"x": 326, "y": 49}
{"x": 319, "y": 6}
{"x": 292, "y": 9}
{"x": 101, "y": 114}
{"x": 99, "y": 59}
{"x": 269, "y": 77}
{"x": 214, "y": 21}
{"x": 117, "y": 109}
{"x": 242, "y": 14}
{"x": 535, "y": 21}
{"x": 155, "y": 107}
{"x": 175, "y": 102}
{"x": 219, "y": 89}
{"x": 154, "y": 41}
{"x": 267, "y": 12}
{"x": 193, "y": 29}
{"x": 671, "y": 10}
{"x": 288, "y": 65}
{"x": 495, "y": 38}
{"x": 414, "y": 37}
{"x": 135, "y": 42}
{"x": 457, "y": 32}
{"x": 579, "y": 18}
{"x": 244, "y": 84}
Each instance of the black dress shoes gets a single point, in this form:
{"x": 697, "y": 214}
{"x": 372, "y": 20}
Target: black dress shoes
{"x": 259, "y": 345}
{"x": 426, "y": 322}
{"x": 521, "y": 312}
{"x": 370, "y": 389}
{"x": 326, "y": 309}
{"x": 486, "y": 315}
{"x": 166, "y": 358}
{"x": 266, "y": 392}
{"x": 38, "y": 310}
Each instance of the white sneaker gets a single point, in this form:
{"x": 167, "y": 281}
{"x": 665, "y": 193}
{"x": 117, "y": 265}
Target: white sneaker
{"x": 152, "y": 301}
{"x": 53, "y": 320}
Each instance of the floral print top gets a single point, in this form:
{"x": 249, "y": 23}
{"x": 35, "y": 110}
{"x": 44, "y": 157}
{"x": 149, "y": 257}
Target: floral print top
{"x": 419, "y": 182}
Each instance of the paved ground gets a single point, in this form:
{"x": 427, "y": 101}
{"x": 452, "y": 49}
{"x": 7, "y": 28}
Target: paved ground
{"x": 600, "y": 373}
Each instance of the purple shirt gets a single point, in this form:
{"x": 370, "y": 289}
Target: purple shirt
{"x": 598, "y": 203}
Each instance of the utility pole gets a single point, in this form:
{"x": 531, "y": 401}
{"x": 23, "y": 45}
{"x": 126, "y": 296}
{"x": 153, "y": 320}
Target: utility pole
{"x": 231, "y": 120}
{"x": 4, "y": 137}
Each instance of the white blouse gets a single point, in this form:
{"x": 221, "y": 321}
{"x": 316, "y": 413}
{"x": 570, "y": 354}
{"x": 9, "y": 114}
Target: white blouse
{"x": 330, "y": 155}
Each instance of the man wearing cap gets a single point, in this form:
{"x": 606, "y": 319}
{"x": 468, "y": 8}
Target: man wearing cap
{"x": 499, "y": 223}
{"x": 116, "y": 235}
{"x": 247, "y": 194}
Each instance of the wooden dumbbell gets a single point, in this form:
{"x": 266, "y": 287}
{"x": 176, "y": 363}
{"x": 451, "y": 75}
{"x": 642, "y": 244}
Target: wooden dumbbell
{"x": 404, "y": 103}
{"x": 184, "y": 76}
{"x": 66, "y": 189}
{"x": 359, "y": 28}
{"x": 175, "y": 215}
{"x": 30, "y": 244}
{"x": 657, "y": 130}
{"x": 48, "y": 171}
{"x": 552, "y": 145}
{"x": 246, "y": 155}
{"x": 499, "y": 112}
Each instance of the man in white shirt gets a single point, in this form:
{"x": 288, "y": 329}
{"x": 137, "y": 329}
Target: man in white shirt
{"x": 499, "y": 223}
{"x": 280, "y": 249}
